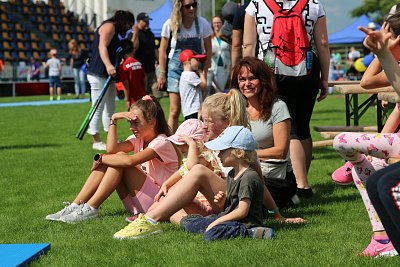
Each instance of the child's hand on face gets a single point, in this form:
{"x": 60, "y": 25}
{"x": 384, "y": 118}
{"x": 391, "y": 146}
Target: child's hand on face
{"x": 187, "y": 139}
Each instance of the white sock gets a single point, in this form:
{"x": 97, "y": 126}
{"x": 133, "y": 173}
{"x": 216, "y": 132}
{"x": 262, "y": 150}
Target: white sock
{"x": 150, "y": 220}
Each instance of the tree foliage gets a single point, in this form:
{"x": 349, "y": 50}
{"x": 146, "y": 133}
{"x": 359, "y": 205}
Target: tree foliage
{"x": 375, "y": 9}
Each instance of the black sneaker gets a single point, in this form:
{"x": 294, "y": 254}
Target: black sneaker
{"x": 305, "y": 192}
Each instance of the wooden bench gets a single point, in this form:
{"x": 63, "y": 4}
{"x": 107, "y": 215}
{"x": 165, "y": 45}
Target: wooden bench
{"x": 329, "y": 132}
{"x": 391, "y": 97}
{"x": 354, "y": 109}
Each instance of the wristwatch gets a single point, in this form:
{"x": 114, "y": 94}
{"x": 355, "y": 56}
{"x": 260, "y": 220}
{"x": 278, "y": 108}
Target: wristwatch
{"x": 98, "y": 158}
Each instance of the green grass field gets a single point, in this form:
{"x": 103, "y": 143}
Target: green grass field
{"x": 42, "y": 164}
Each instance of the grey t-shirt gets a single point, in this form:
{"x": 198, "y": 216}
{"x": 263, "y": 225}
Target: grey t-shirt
{"x": 54, "y": 66}
{"x": 263, "y": 133}
{"x": 247, "y": 186}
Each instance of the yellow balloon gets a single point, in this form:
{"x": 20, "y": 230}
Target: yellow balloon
{"x": 359, "y": 65}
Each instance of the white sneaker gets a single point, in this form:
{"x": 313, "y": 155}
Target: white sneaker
{"x": 85, "y": 212}
{"x": 68, "y": 208}
{"x": 99, "y": 146}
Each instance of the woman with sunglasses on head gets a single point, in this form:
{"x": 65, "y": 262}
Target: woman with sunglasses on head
{"x": 186, "y": 31}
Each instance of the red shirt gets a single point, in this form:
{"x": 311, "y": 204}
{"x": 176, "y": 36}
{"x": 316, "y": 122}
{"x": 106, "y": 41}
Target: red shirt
{"x": 132, "y": 71}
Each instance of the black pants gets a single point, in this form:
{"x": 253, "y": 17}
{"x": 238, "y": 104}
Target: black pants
{"x": 383, "y": 189}
{"x": 282, "y": 190}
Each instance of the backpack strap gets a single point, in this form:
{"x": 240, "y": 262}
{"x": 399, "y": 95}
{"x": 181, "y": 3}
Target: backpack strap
{"x": 274, "y": 7}
{"x": 299, "y": 6}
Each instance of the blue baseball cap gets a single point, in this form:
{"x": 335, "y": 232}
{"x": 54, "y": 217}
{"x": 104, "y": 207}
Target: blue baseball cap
{"x": 233, "y": 137}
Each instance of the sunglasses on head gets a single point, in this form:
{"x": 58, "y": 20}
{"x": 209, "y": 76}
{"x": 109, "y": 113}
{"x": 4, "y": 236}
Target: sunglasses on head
{"x": 188, "y": 6}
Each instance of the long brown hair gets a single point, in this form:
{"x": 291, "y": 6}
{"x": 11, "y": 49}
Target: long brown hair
{"x": 152, "y": 110}
{"x": 267, "y": 92}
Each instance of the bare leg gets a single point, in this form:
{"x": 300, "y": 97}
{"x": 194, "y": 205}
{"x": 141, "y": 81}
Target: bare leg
{"x": 298, "y": 157}
{"x": 200, "y": 178}
{"x": 51, "y": 92}
{"x": 96, "y": 138}
{"x": 91, "y": 184}
{"x": 174, "y": 110}
{"x": 132, "y": 181}
{"x": 110, "y": 181}
{"x": 308, "y": 149}
{"x": 59, "y": 91}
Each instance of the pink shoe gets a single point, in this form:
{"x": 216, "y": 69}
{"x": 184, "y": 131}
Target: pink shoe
{"x": 132, "y": 218}
{"x": 376, "y": 249}
{"x": 343, "y": 175}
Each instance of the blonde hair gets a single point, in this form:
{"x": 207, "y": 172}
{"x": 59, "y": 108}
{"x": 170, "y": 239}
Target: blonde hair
{"x": 231, "y": 107}
{"x": 73, "y": 47}
{"x": 176, "y": 18}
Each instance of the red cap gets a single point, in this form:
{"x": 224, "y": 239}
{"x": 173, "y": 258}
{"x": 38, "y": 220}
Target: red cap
{"x": 188, "y": 54}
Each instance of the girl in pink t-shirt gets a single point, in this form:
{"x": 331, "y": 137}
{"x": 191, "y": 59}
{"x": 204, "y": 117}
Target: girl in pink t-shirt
{"x": 136, "y": 177}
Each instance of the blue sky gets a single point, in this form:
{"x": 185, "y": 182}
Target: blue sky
{"x": 338, "y": 13}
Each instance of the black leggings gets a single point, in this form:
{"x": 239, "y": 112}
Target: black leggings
{"x": 299, "y": 94}
{"x": 383, "y": 189}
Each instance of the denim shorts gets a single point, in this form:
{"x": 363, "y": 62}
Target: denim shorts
{"x": 55, "y": 81}
{"x": 175, "y": 70}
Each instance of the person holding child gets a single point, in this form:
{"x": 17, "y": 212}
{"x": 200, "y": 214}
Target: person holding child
{"x": 136, "y": 177}
{"x": 132, "y": 75}
{"x": 242, "y": 201}
{"x": 186, "y": 31}
{"x": 191, "y": 86}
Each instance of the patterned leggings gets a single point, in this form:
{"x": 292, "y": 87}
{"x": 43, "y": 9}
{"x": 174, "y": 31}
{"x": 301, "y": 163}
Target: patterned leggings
{"x": 354, "y": 147}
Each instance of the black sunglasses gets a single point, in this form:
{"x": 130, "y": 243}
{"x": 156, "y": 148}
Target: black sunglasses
{"x": 188, "y": 6}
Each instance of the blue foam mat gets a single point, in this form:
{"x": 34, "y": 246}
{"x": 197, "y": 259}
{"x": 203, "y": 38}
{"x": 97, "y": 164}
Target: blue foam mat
{"x": 21, "y": 254}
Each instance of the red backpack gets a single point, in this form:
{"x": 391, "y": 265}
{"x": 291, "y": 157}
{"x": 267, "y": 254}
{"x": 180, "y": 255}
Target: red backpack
{"x": 292, "y": 54}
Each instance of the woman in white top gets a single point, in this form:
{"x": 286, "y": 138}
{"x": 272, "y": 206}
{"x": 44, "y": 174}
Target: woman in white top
{"x": 221, "y": 58}
{"x": 188, "y": 31}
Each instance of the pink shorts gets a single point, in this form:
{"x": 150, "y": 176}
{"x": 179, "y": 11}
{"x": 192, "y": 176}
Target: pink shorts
{"x": 143, "y": 199}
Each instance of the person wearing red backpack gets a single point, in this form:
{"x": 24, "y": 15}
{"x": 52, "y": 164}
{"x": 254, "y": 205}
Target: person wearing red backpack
{"x": 286, "y": 32}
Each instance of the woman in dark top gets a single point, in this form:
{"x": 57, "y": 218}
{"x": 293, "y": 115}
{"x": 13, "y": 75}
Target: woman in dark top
{"x": 76, "y": 59}
{"x": 102, "y": 63}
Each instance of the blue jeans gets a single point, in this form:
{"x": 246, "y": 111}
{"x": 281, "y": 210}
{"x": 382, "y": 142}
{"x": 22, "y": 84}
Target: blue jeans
{"x": 80, "y": 81}
{"x": 197, "y": 224}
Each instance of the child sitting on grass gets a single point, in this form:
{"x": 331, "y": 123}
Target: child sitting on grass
{"x": 242, "y": 203}
{"x": 189, "y": 138}
{"x": 190, "y": 84}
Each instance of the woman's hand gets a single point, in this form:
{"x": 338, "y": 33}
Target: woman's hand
{"x": 282, "y": 219}
{"x": 161, "y": 193}
{"x": 161, "y": 81}
{"x": 124, "y": 115}
{"x": 111, "y": 70}
{"x": 95, "y": 165}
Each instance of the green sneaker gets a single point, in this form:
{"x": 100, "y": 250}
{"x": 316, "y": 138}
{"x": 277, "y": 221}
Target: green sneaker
{"x": 137, "y": 229}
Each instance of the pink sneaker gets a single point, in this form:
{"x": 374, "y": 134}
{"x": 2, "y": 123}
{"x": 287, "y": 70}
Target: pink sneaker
{"x": 343, "y": 175}
{"x": 132, "y": 218}
{"x": 376, "y": 249}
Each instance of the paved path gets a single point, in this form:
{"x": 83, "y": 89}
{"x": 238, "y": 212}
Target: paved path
{"x": 44, "y": 103}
